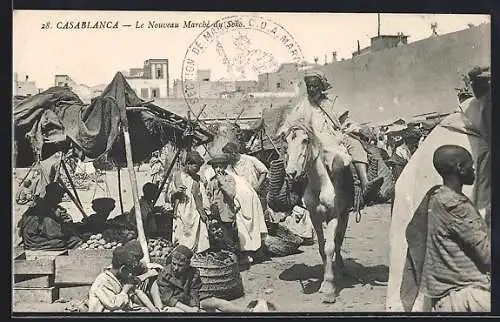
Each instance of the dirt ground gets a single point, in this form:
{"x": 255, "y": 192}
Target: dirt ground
{"x": 290, "y": 282}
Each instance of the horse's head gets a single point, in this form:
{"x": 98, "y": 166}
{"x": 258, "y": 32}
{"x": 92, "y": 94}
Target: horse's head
{"x": 301, "y": 151}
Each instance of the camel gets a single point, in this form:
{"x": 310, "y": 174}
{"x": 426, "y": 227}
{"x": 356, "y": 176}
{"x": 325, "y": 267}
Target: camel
{"x": 328, "y": 195}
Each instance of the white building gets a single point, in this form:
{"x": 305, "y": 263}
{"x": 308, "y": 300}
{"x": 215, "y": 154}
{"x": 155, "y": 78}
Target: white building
{"x": 25, "y": 87}
{"x": 152, "y": 81}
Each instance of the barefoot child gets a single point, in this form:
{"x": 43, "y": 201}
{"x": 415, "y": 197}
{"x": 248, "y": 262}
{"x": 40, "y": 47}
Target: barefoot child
{"x": 113, "y": 289}
{"x": 177, "y": 288}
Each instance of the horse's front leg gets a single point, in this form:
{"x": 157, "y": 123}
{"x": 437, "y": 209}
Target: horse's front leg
{"x": 328, "y": 284}
{"x": 317, "y": 222}
{"x": 339, "y": 239}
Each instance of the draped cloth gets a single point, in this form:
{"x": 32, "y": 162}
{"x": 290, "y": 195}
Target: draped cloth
{"x": 299, "y": 223}
{"x": 250, "y": 218}
{"x": 469, "y": 129}
{"x": 416, "y": 236}
{"x": 189, "y": 229}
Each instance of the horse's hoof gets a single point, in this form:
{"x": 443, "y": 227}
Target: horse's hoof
{"x": 326, "y": 287}
{"x": 330, "y": 298}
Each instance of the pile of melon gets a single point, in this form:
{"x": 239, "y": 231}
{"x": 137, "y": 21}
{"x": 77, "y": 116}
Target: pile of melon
{"x": 97, "y": 241}
{"x": 108, "y": 239}
{"x": 160, "y": 248}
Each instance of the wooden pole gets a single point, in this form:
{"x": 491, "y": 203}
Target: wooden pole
{"x": 133, "y": 183}
{"x": 378, "y": 24}
{"x": 274, "y": 146}
{"x": 79, "y": 206}
{"x": 68, "y": 175}
{"x": 120, "y": 189}
{"x": 167, "y": 174}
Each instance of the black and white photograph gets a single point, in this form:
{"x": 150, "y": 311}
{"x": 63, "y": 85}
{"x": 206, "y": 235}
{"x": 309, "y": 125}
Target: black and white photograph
{"x": 181, "y": 162}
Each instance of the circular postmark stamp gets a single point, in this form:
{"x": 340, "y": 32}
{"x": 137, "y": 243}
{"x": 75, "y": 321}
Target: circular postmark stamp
{"x": 231, "y": 54}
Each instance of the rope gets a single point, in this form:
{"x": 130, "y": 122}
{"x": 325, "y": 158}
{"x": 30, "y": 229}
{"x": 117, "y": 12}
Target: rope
{"x": 358, "y": 196}
{"x": 98, "y": 185}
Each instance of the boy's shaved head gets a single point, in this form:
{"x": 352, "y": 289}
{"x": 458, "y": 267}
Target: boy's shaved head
{"x": 447, "y": 157}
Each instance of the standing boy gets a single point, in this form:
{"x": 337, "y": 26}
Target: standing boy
{"x": 455, "y": 263}
{"x": 221, "y": 192}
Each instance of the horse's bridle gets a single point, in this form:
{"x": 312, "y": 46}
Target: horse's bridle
{"x": 310, "y": 135}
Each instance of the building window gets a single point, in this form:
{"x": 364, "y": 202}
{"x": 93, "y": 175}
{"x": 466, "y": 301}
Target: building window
{"x": 159, "y": 73}
{"x": 144, "y": 92}
{"x": 155, "y": 92}
{"x": 278, "y": 85}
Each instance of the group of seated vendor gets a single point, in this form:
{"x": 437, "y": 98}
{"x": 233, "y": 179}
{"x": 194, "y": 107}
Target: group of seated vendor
{"x": 176, "y": 288}
{"x": 46, "y": 225}
{"x": 128, "y": 284}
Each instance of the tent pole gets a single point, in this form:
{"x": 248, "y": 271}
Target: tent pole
{"x": 79, "y": 206}
{"x": 135, "y": 191}
{"x": 120, "y": 188}
{"x": 167, "y": 174}
{"x": 68, "y": 175}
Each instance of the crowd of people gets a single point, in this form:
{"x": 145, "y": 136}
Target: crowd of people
{"x": 221, "y": 204}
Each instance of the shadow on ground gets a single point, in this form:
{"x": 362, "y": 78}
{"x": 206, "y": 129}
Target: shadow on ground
{"x": 352, "y": 274}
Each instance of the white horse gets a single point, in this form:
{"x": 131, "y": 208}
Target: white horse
{"x": 328, "y": 195}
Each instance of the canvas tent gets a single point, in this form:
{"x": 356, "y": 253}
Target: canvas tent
{"x": 56, "y": 120}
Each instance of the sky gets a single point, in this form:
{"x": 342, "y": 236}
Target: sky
{"x": 93, "y": 56}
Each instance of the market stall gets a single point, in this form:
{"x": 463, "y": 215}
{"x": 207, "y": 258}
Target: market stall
{"x": 55, "y": 124}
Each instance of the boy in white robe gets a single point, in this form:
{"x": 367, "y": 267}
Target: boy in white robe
{"x": 188, "y": 197}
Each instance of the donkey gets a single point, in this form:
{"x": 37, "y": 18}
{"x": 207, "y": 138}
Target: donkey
{"x": 328, "y": 195}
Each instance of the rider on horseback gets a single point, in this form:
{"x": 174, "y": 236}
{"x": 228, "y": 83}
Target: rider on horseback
{"x": 334, "y": 118}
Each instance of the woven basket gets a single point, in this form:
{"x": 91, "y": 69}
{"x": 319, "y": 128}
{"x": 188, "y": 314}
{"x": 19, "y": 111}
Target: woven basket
{"x": 220, "y": 279}
{"x": 287, "y": 235}
{"x": 272, "y": 227}
{"x": 280, "y": 247}
{"x": 276, "y": 173}
{"x": 283, "y": 242}
{"x": 281, "y": 201}
{"x": 276, "y": 179}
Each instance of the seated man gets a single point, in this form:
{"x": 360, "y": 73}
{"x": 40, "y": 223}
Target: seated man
{"x": 148, "y": 210}
{"x": 114, "y": 289}
{"x": 221, "y": 193}
{"x": 45, "y": 225}
{"x": 97, "y": 222}
{"x": 330, "y": 116}
{"x": 177, "y": 288}
{"x": 147, "y": 271}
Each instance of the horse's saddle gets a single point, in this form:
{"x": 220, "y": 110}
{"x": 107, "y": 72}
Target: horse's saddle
{"x": 377, "y": 167}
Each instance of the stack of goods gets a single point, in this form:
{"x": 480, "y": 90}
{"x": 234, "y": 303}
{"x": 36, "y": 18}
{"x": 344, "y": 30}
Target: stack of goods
{"x": 283, "y": 242}
{"x": 220, "y": 274}
{"x": 160, "y": 250}
{"x": 98, "y": 241}
{"x": 283, "y": 193}
{"x": 278, "y": 195}
{"x": 108, "y": 239}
